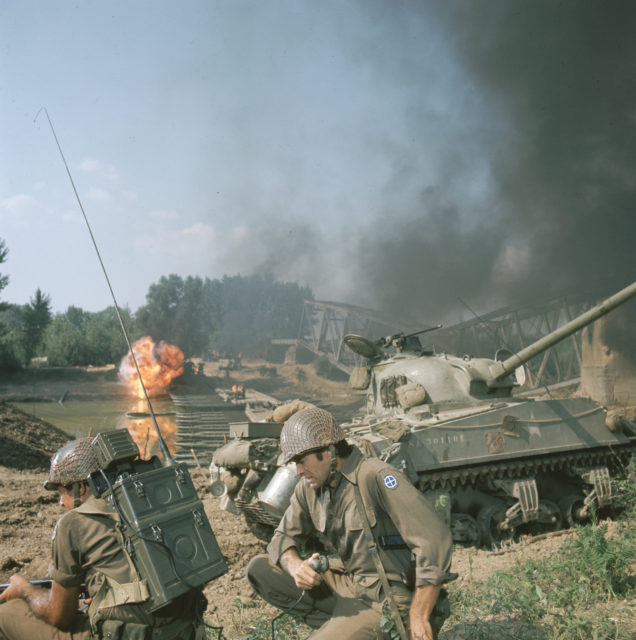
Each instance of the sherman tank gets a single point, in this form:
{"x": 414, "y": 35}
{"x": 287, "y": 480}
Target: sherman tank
{"x": 495, "y": 464}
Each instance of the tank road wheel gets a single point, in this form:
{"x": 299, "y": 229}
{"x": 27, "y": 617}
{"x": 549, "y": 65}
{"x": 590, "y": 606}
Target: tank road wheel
{"x": 464, "y": 529}
{"x": 573, "y": 509}
{"x": 489, "y": 520}
{"x": 550, "y": 515}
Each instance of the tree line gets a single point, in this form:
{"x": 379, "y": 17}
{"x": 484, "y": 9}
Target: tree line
{"x": 201, "y": 316}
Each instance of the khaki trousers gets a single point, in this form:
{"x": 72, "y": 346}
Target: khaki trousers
{"x": 335, "y": 608}
{"x": 17, "y": 622}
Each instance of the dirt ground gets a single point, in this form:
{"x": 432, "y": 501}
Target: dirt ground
{"x": 28, "y": 513}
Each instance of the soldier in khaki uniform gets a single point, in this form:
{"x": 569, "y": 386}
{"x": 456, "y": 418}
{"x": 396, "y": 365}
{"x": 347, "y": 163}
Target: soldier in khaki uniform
{"x": 87, "y": 550}
{"x": 349, "y": 599}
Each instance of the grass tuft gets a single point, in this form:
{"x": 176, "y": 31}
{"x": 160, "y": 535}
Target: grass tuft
{"x": 585, "y": 590}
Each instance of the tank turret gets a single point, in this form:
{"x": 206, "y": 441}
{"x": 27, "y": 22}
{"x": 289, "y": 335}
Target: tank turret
{"x": 410, "y": 377}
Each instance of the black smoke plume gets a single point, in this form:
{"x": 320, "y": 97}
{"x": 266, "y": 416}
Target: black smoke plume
{"x": 560, "y": 79}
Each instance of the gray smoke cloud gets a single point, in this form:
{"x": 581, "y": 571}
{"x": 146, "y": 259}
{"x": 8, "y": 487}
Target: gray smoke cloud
{"x": 555, "y": 100}
{"x": 619, "y": 331}
{"x": 459, "y": 154}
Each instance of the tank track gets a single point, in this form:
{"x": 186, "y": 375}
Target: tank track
{"x": 262, "y": 523}
{"x": 567, "y": 462}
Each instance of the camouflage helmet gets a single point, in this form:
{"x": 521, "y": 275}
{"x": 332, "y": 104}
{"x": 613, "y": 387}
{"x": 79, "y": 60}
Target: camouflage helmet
{"x": 307, "y": 430}
{"x": 74, "y": 462}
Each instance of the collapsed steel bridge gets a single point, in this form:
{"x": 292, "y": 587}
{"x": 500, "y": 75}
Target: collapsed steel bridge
{"x": 323, "y": 325}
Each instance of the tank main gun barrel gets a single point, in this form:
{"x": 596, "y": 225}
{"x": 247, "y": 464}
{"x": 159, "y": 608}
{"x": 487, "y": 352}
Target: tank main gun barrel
{"x": 502, "y": 369}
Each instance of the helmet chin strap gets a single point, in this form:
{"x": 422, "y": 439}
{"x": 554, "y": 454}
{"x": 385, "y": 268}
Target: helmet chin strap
{"x": 333, "y": 472}
{"x": 76, "y": 495}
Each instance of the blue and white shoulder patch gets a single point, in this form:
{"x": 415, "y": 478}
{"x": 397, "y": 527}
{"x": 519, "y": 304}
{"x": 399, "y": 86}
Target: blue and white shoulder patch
{"x": 390, "y": 481}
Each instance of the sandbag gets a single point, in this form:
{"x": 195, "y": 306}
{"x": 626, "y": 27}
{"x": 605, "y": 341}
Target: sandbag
{"x": 286, "y": 411}
{"x": 239, "y": 454}
{"x": 410, "y": 395}
{"x": 360, "y": 378}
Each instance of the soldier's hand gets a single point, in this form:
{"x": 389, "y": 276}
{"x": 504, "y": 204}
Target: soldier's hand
{"x": 305, "y": 577}
{"x": 15, "y": 588}
{"x": 422, "y": 631}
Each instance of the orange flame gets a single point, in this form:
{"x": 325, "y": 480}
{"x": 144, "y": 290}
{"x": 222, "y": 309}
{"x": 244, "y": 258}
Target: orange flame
{"x": 145, "y": 436}
{"x": 158, "y": 364}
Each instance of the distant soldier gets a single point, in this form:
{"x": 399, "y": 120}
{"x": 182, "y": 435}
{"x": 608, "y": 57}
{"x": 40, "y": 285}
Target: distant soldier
{"x": 87, "y": 550}
{"x": 372, "y": 521}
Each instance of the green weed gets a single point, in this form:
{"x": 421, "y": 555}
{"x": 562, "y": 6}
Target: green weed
{"x": 249, "y": 623}
{"x": 583, "y": 592}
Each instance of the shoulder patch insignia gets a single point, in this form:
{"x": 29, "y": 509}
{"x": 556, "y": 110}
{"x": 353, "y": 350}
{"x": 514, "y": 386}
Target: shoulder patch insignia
{"x": 390, "y": 481}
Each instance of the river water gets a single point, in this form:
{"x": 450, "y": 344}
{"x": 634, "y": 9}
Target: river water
{"x": 81, "y": 418}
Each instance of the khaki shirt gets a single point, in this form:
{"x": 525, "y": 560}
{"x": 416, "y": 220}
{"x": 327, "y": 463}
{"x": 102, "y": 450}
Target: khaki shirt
{"x": 394, "y": 507}
{"x": 86, "y": 546}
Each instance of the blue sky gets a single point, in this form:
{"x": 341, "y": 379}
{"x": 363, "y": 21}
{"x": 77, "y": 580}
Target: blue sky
{"x": 204, "y": 138}
{"x": 320, "y": 141}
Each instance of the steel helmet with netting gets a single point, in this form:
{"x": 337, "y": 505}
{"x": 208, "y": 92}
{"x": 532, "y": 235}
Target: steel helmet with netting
{"x": 74, "y": 462}
{"x": 308, "y": 430}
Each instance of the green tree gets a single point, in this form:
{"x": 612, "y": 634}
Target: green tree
{"x": 36, "y": 317}
{"x": 75, "y": 315}
{"x": 4, "y": 279}
{"x": 157, "y": 317}
{"x": 81, "y": 338}
{"x": 10, "y": 337}
{"x": 181, "y": 312}
{"x": 194, "y": 317}
{"x": 105, "y": 342}
{"x": 63, "y": 343}
{"x": 9, "y": 346}
{"x": 257, "y": 309}
{"x": 235, "y": 314}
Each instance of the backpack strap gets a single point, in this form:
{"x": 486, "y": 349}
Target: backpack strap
{"x": 373, "y": 549}
{"x": 112, "y": 593}
{"x": 93, "y": 510}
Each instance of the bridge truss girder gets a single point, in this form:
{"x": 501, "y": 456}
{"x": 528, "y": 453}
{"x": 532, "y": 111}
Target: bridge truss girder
{"x": 324, "y": 324}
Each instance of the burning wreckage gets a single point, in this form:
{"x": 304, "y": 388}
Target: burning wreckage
{"x": 497, "y": 464}
{"x": 195, "y": 423}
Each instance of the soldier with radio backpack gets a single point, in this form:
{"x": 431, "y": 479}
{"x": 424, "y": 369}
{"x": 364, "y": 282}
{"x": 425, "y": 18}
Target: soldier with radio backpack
{"x": 88, "y": 549}
{"x": 372, "y": 522}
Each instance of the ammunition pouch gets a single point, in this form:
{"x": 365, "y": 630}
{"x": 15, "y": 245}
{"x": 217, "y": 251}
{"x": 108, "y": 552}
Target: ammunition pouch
{"x": 112, "y": 594}
{"x": 118, "y": 630}
{"x": 115, "y": 629}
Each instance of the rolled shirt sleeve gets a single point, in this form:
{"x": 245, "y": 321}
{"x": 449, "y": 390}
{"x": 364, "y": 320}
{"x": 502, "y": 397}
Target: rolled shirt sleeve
{"x": 65, "y": 567}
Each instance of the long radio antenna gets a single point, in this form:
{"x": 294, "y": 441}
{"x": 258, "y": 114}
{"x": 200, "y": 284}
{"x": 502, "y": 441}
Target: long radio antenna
{"x": 162, "y": 445}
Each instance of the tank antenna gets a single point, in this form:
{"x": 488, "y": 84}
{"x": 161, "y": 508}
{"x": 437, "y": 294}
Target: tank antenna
{"x": 162, "y": 445}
